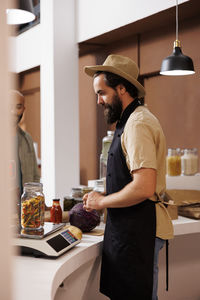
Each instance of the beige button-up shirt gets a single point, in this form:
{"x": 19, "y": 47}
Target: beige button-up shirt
{"x": 144, "y": 146}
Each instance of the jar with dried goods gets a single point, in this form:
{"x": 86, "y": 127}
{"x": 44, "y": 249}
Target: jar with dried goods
{"x": 173, "y": 162}
{"x": 189, "y": 162}
{"x": 32, "y": 206}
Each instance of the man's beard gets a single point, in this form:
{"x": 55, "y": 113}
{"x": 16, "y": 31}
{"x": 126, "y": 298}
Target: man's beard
{"x": 17, "y": 119}
{"x": 113, "y": 111}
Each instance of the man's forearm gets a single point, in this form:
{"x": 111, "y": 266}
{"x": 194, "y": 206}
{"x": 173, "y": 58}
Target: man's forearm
{"x": 128, "y": 196}
{"x": 141, "y": 188}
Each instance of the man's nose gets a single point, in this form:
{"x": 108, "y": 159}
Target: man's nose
{"x": 100, "y": 100}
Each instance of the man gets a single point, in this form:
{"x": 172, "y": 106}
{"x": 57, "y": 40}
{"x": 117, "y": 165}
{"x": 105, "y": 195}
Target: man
{"x": 27, "y": 169}
{"x": 137, "y": 221}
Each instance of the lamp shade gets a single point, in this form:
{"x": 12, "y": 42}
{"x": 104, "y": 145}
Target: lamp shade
{"x": 24, "y": 14}
{"x": 177, "y": 64}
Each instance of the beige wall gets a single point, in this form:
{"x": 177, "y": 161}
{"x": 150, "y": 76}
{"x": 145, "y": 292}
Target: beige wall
{"x": 88, "y": 124}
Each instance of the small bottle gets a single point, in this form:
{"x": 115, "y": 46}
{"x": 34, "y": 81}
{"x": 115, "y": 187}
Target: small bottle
{"x": 189, "y": 162}
{"x": 173, "y": 162}
{"x": 32, "y": 206}
{"x": 56, "y": 212}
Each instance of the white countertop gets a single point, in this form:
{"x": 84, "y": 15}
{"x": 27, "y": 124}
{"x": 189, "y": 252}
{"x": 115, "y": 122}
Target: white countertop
{"x": 44, "y": 276}
{"x": 186, "y": 226}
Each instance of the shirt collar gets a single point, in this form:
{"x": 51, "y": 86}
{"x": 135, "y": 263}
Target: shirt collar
{"x": 128, "y": 110}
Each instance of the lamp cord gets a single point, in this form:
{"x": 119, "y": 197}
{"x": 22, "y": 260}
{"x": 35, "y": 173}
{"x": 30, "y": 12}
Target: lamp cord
{"x": 177, "y": 20}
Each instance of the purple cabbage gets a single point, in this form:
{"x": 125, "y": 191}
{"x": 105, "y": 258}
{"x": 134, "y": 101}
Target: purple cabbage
{"x": 84, "y": 220}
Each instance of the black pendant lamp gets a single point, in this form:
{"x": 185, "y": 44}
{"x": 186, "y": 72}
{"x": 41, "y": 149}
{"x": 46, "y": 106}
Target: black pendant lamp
{"x": 177, "y": 63}
{"x": 24, "y": 14}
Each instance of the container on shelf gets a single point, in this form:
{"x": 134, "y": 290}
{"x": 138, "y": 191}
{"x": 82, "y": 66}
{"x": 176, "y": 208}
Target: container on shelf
{"x": 68, "y": 203}
{"x": 77, "y": 193}
{"x": 99, "y": 185}
{"x": 189, "y": 161}
{"x": 86, "y": 189}
{"x": 173, "y": 162}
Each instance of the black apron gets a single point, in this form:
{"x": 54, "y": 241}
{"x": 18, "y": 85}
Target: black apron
{"x": 129, "y": 240}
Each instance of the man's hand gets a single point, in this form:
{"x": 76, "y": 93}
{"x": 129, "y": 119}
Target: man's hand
{"x": 93, "y": 200}
{"x": 141, "y": 188}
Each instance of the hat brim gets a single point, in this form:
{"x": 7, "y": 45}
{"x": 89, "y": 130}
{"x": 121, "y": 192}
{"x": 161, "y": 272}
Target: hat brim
{"x": 91, "y": 70}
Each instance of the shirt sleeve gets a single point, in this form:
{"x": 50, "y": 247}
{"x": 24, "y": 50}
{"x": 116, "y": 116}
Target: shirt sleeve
{"x": 138, "y": 144}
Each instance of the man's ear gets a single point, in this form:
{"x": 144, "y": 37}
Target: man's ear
{"x": 121, "y": 89}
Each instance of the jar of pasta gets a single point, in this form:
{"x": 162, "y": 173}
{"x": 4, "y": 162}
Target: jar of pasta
{"x": 32, "y": 206}
{"x": 173, "y": 162}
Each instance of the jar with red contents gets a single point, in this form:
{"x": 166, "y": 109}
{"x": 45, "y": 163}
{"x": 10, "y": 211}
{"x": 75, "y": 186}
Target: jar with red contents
{"x": 56, "y": 212}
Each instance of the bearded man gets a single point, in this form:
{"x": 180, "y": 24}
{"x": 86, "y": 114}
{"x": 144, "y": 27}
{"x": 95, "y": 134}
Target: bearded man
{"x": 137, "y": 221}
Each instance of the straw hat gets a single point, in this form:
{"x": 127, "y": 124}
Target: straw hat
{"x": 122, "y": 66}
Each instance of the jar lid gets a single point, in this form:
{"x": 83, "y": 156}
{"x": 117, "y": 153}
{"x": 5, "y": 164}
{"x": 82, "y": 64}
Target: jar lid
{"x": 68, "y": 198}
{"x": 77, "y": 189}
{"x": 99, "y": 182}
{"x": 87, "y": 189}
{"x": 27, "y": 184}
{"x": 35, "y": 186}
{"x": 110, "y": 132}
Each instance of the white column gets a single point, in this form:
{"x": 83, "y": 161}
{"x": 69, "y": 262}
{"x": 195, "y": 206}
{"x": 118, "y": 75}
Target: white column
{"x": 59, "y": 99}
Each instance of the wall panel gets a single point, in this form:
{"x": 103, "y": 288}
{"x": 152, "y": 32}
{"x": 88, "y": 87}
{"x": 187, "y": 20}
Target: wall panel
{"x": 88, "y": 123}
{"x": 175, "y": 101}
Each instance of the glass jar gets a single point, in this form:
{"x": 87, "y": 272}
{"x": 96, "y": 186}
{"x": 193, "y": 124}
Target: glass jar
{"x": 106, "y": 142}
{"x": 173, "y": 162}
{"x": 99, "y": 186}
{"x": 103, "y": 166}
{"x": 32, "y": 206}
{"x": 189, "y": 162}
{"x": 76, "y": 193}
{"x": 68, "y": 203}
{"x": 86, "y": 189}
{"x": 56, "y": 212}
